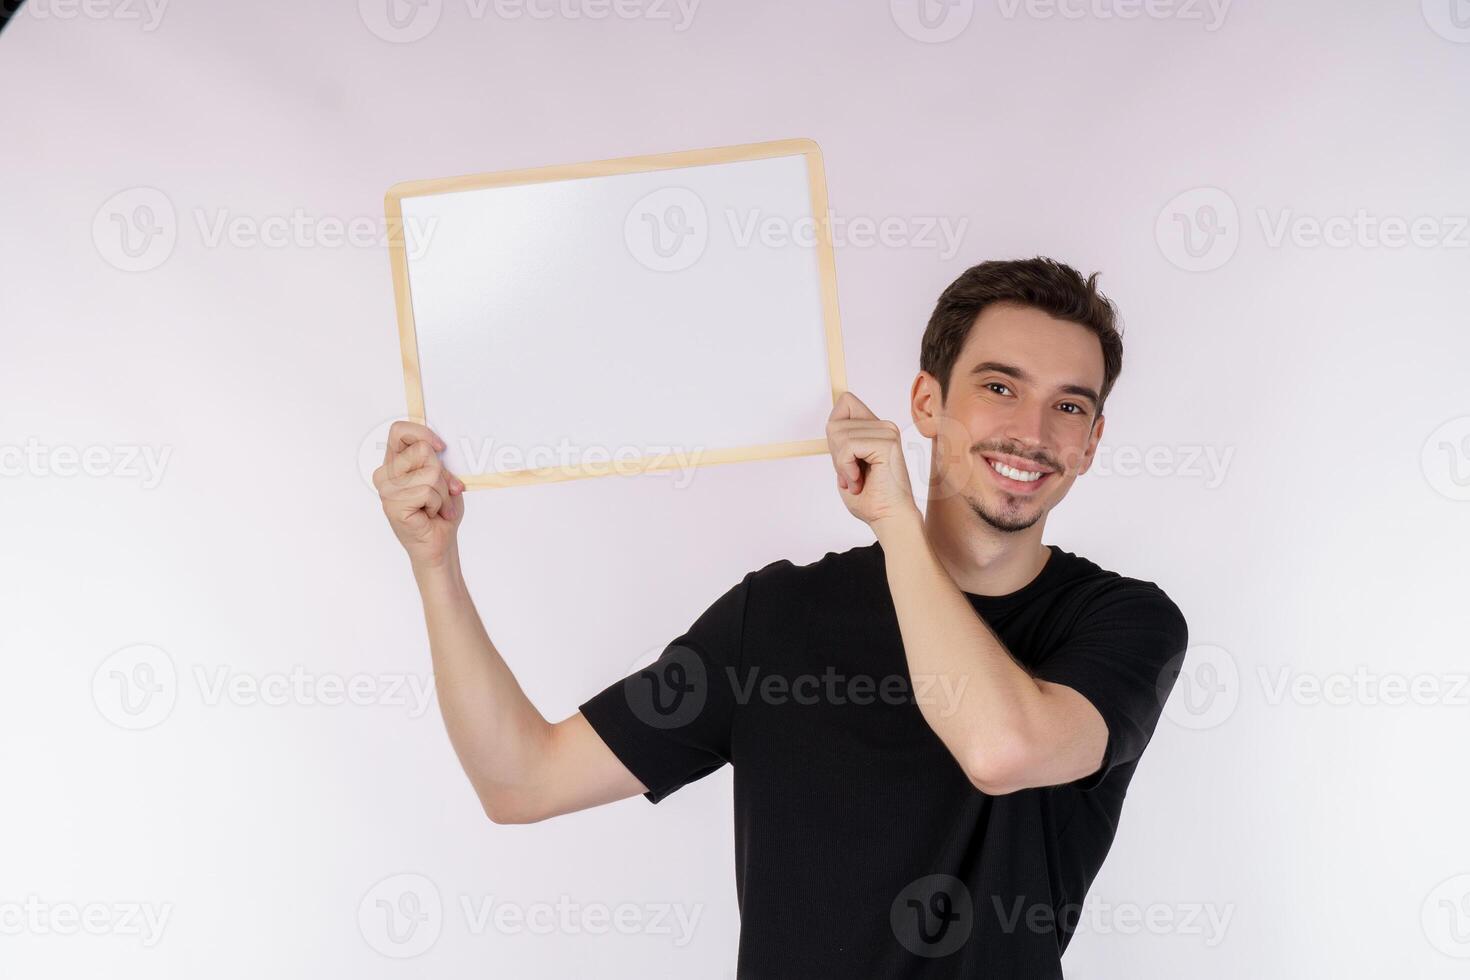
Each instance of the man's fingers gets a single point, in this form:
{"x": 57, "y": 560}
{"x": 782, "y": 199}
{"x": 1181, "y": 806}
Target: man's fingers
{"x": 434, "y": 471}
{"x": 843, "y": 432}
{"x": 849, "y": 406}
{"x": 412, "y": 461}
{"x": 423, "y": 476}
{"x": 856, "y": 450}
{"x": 843, "y": 435}
{"x": 869, "y": 449}
{"x": 441, "y": 487}
{"x": 845, "y": 461}
{"x": 453, "y": 505}
{"x": 403, "y": 433}
{"x": 396, "y": 470}
{"x": 426, "y": 498}
{"x": 409, "y": 490}
{"x": 418, "y": 455}
{"x": 864, "y": 427}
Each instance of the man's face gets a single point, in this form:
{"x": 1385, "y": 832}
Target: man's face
{"x": 1020, "y": 421}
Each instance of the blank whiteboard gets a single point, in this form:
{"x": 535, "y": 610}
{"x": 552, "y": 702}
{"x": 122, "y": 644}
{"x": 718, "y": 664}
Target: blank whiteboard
{"x": 615, "y": 317}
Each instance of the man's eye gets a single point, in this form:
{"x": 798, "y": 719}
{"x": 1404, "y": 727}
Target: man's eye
{"x": 997, "y": 384}
{"x": 1077, "y": 409}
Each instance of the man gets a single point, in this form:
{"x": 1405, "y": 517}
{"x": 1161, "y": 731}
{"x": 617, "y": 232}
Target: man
{"x": 932, "y": 735}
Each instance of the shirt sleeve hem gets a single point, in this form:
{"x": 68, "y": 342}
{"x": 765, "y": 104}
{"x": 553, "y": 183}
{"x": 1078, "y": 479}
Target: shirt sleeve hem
{"x": 614, "y": 736}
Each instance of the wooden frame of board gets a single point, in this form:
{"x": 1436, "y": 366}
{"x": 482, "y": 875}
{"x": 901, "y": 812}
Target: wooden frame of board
{"x": 826, "y": 267}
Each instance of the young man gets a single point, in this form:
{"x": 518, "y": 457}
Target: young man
{"x": 933, "y": 734}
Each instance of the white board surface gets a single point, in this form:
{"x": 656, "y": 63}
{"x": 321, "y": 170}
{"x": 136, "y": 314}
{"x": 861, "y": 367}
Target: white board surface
{"x": 620, "y": 316}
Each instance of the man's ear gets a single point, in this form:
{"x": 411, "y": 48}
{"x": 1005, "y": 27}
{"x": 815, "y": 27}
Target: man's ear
{"x": 925, "y": 403}
{"x": 1092, "y": 441}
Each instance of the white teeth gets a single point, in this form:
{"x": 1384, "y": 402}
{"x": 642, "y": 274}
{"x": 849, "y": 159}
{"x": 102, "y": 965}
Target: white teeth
{"x": 1025, "y": 476}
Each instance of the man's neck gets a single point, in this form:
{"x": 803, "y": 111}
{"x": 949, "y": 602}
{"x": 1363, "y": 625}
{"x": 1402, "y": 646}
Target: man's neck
{"x": 982, "y": 559}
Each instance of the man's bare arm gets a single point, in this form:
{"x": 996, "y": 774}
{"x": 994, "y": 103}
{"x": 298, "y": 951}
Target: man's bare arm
{"x": 522, "y": 768}
{"x": 1008, "y": 730}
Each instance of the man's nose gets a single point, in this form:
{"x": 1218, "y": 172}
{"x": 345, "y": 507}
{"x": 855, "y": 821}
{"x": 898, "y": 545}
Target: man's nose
{"x": 1027, "y": 426}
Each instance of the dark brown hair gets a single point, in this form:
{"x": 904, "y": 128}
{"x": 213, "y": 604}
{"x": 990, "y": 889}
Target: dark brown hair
{"x": 1041, "y": 283}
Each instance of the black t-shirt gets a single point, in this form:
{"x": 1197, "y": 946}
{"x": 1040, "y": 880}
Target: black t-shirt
{"x": 861, "y": 847}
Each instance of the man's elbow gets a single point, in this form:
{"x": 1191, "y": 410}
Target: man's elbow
{"x": 998, "y": 767}
{"x": 503, "y": 807}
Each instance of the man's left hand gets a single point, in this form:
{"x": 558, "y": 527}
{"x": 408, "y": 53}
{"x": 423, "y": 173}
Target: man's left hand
{"x": 868, "y": 456}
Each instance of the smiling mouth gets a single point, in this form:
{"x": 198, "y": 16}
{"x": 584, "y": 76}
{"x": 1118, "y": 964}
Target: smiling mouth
{"x": 1018, "y": 478}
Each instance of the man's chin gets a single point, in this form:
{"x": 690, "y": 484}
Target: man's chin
{"x": 1005, "y": 518}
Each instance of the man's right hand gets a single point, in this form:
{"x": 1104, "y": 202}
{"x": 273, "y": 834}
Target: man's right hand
{"x": 424, "y": 501}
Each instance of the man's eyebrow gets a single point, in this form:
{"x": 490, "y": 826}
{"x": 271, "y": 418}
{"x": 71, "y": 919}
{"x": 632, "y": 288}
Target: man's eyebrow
{"x": 996, "y": 367}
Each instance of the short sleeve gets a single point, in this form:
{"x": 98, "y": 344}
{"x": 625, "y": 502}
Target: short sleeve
{"x": 670, "y": 722}
{"x": 1123, "y": 657}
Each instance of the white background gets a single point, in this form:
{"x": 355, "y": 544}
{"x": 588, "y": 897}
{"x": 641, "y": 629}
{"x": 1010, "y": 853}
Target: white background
{"x": 1328, "y": 829}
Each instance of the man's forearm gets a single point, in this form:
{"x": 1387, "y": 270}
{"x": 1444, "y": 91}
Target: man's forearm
{"x": 496, "y": 731}
{"x": 986, "y": 717}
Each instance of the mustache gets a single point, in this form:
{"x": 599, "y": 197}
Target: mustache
{"x": 1010, "y": 449}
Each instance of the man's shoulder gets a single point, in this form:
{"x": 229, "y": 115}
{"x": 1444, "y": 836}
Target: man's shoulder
{"x": 841, "y": 570}
{"x": 1103, "y": 592}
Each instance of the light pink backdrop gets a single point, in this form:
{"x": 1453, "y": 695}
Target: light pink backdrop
{"x": 1289, "y": 456}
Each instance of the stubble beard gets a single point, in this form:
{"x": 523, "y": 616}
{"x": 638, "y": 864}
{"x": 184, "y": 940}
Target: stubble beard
{"x": 1002, "y": 522}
